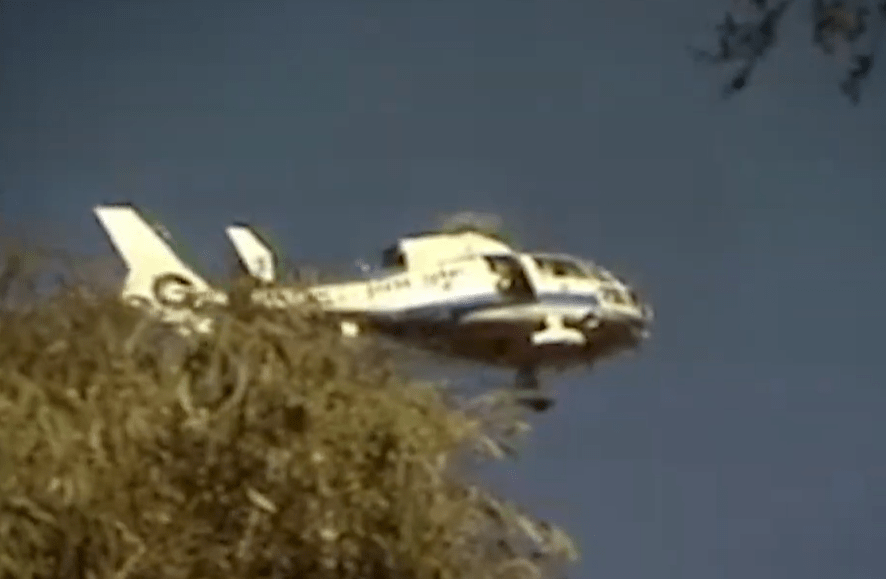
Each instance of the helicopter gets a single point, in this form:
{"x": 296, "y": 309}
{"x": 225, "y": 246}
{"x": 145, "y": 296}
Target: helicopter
{"x": 462, "y": 294}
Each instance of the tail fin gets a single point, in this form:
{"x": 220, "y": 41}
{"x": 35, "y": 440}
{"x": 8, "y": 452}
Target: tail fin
{"x": 157, "y": 277}
{"x": 257, "y": 257}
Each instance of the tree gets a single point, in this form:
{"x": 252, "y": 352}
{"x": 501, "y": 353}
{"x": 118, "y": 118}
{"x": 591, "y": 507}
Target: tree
{"x": 272, "y": 448}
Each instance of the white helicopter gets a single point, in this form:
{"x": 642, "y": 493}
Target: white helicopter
{"x": 463, "y": 294}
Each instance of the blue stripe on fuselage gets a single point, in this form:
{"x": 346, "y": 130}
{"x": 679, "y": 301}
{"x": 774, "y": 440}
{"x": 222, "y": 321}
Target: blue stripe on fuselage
{"x": 456, "y": 308}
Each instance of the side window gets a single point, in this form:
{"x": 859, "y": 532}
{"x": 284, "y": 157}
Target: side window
{"x": 393, "y": 258}
{"x": 500, "y": 265}
{"x": 544, "y": 266}
{"x": 560, "y": 268}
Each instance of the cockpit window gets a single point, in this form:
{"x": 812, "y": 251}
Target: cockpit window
{"x": 597, "y": 273}
{"x": 560, "y": 267}
{"x": 393, "y": 258}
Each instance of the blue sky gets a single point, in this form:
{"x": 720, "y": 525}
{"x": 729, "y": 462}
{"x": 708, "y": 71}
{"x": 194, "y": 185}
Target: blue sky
{"x": 746, "y": 440}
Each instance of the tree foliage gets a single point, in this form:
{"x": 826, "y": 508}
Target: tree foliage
{"x": 272, "y": 448}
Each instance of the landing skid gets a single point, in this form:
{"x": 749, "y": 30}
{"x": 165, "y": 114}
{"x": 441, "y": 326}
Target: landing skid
{"x": 529, "y": 391}
{"x": 538, "y": 403}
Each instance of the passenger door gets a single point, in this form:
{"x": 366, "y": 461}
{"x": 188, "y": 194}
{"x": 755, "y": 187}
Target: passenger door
{"x": 515, "y": 283}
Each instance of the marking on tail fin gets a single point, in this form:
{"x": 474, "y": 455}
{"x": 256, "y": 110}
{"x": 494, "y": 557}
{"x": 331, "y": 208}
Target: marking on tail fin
{"x": 174, "y": 291}
{"x": 138, "y": 302}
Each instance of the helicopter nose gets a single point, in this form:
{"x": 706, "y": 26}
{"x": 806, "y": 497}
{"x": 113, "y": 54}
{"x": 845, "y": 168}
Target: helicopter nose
{"x": 642, "y": 305}
{"x": 644, "y": 315}
{"x": 642, "y": 319}
{"x": 646, "y": 311}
